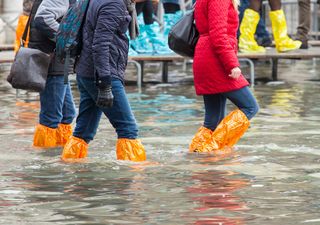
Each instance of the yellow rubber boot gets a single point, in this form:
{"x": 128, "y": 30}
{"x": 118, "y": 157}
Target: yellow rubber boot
{"x": 75, "y": 148}
{"x": 202, "y": 140}
{"x": 247, "y": 42}
{"x": 130, "y": 149}
{"x": 231, "y": 129}
{"x": 280, "y": 32}
{"x": 45, "y": 137}
{"x": 64, "y": 132}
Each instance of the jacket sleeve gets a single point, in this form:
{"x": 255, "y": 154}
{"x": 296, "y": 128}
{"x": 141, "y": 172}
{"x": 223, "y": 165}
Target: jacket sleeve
{"x": 107, "y": 24}
{"x": 218, "y": 25}
{"x": 48, "y": 13}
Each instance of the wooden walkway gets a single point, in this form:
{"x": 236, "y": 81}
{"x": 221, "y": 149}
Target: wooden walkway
{"x": 140, "y": 60}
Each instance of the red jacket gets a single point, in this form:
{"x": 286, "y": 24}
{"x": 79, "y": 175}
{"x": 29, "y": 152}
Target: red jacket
{"x": 216, "y": 51}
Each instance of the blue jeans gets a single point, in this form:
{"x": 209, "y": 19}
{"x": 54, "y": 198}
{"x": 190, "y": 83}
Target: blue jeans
{"x": 57, "y": 104}
{"x": 119, "y": 115}
{"x": 215, "y": 106}
{"x": 261, "y": 31}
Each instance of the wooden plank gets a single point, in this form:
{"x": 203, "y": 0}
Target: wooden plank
{"x": 314, "y": 52}
{"x": 6, "y": 56}
{"x": 6, "y": 47}
{"x": 315, "y": 43}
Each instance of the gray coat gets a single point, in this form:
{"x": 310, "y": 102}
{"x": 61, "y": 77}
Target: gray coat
{"x": 43, "y": 29}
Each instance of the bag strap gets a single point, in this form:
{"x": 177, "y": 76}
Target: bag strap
{"x": 26, "y": 31}
{"x": 66, "y": 67}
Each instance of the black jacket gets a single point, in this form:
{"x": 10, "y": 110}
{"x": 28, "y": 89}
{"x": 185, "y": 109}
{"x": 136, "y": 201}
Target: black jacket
{"x": 105, "y": 44}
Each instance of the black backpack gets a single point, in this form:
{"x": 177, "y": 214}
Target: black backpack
{"x": 184, "y": 35}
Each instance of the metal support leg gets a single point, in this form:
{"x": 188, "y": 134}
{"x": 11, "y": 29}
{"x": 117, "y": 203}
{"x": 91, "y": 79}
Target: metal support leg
{"x": 165, "y": 72}
{"x": 251, "y": 65}
{"x": 139, "y": 73}
{"x": 275, "y": 69}
{"x": 142, "y": 69}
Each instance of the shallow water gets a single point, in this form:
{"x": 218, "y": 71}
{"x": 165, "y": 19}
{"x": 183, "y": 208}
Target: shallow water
{"x": 272, "y": 177}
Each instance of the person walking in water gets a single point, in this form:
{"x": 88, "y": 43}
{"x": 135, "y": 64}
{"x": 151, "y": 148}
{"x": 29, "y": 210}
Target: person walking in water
{"x": 217, "y": 77}
{"x": 100, "y": 76}
{"x": 57, "y": 107}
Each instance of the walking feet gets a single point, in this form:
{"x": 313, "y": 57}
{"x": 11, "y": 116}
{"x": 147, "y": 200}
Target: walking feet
{"x": 127, "y": 149}
{"x": 227, "y": 134}
{"x": 46, "y": 137}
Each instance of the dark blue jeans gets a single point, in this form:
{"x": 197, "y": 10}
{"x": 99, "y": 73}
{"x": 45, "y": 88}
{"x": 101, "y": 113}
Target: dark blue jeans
{"x": 261, "y": 31}
{"x": 119, "y": 115}
{"x": 215, "y": 106}
{"x": 57, "y": 104}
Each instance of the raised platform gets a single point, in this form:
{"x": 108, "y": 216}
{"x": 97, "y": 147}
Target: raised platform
{"x": 270, "y": 54}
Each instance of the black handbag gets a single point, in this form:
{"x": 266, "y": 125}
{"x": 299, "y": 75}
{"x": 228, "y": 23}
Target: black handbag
{"x": 184, "y": 35}
{"x": 30, "y": 67}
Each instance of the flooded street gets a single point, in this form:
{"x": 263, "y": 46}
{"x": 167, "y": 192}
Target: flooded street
{"x": 272, "y": 178}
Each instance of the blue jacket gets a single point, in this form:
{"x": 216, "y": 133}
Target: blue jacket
{"x": 105, "y": 45}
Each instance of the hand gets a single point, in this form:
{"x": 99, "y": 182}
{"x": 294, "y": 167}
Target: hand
{"x": 105, "y": 97}
{"x": 235, "y": 73}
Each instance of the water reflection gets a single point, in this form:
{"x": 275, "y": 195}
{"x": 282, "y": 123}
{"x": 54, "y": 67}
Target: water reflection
{"x": 272, "y": 177}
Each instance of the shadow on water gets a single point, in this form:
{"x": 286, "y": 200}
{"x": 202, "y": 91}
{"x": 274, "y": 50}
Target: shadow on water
{"x": 272, "y": 177}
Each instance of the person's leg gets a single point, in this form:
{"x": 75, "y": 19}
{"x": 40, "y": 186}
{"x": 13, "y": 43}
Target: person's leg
{"x": 262, "y": 34}
{"x": 64, "y": 130}
{"x": 275, "y": 4}
{"x": 170, "y": 7}
{"x": 304, "y": 22}
{"x": 152, "y": 29}
{"x": 87, "y": 121}
{"x": 251, "y": 18}
{"x": 215, "y": 106}
{"x": 51, "y": 101}
{"x": 236, "y": 123}
{"x": 148, "y": 12}
{"x": 89, "y": 113}
{"x": 215, "y": 110}
{"x": 141, "y": 44}
{"x": 255, "y": 5}
{"x": 279, "y": 29}
{"x": 139, "y": 7}
{"x": 244, "y": 100}
{"x": 122, "y": 119}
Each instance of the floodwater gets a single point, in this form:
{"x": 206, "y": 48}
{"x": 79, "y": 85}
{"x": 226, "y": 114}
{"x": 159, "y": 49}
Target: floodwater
{"x": 272, "y": 177}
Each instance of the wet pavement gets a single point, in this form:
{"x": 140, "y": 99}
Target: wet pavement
{"x": 272, "y": 178}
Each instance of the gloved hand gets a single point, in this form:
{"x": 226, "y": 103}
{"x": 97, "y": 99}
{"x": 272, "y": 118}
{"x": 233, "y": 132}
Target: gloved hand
{"x": 105, "y": 97}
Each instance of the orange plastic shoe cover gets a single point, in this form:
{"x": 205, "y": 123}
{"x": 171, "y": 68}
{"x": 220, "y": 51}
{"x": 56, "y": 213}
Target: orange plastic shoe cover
{"x": 130, "y": 149}
{"x": 228, "y": 132}
{"x": 45, "y": 137}
{"x": 64, "y": 132}
{"x": 231, "y": 129}
{"x": 201, "y": 140}
{"x": 75, "y": 148}
{"x": 22, "y": 22}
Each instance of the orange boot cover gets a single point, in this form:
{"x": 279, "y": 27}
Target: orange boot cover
{"x": 75, "y": 148}
{"x": 45, "y": 137}
{"x": 130, "y": 149}
{"x": 231, "y": 129}
{"x": 64, "y": 132}
{"x": 202, "y": 140}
